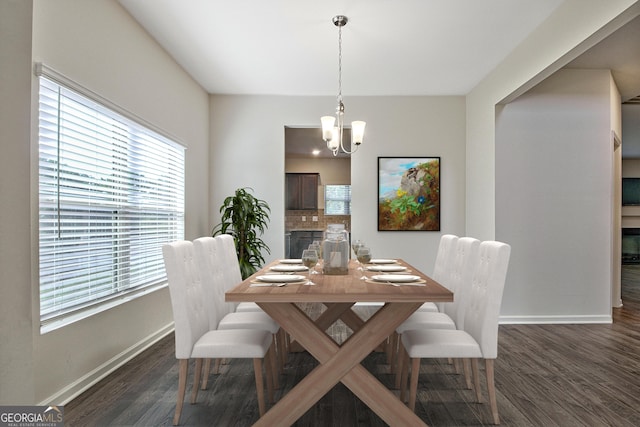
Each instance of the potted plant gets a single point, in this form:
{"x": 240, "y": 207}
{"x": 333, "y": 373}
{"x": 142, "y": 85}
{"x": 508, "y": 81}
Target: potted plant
{"x": 245, "y": 217}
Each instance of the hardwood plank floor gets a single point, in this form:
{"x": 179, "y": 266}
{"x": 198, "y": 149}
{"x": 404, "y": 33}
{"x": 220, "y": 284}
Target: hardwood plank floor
{"x": 546, "y": 375}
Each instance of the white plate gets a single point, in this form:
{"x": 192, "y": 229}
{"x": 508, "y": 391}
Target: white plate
{"x": 289, "y": 267}
{"x": 275, "y": 278}
{"x": 400, "y": 278}
{"x": 387, "y": 268}
{"x": 382, "y": 261}
{"x": 291, "y": 261}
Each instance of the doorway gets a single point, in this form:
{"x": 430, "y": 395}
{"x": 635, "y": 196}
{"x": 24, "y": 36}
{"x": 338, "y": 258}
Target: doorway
{"x": 307, "y": 154}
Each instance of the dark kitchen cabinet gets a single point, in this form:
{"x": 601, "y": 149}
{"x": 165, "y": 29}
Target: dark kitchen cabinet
{"x": 302, "y": 191}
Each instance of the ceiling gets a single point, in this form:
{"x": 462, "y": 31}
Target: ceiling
{"x": 620, "y": 53}
{"x": 413, "y": 47}
{"x": 290, "y": 47}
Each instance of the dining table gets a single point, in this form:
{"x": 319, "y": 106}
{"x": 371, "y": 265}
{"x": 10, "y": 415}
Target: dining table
{"x": 281, "y": 297}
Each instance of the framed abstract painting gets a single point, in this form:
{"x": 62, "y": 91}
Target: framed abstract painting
{"x": 408, "y": 193}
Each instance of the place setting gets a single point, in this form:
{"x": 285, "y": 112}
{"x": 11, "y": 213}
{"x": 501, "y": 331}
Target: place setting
{"x": 293, "y": 261}
{"x": 394, "y": 273}
{"x": 278, "y": 280}
{"x": 282, "y": 274}
{"x": 396, "y": 280}
{"x": 288, "y": 268}
{"x": 387, "y": 268}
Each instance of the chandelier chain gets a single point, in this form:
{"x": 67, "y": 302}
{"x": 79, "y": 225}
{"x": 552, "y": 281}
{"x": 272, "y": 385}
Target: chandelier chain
{"x": 340, "y": 63}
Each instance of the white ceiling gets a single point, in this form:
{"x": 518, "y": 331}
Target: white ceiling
{"x": 290, "y": 47}
{"x": 412, "y": 47}
{"x": 620, "y": 53}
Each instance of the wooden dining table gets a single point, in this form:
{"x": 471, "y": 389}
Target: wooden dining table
{"x": 340, "y": 362}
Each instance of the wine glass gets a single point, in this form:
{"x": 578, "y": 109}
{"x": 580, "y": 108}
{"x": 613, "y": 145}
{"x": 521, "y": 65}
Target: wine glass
{"x": 315, "y": 247}
{"x": 309, "y": 259}
{"x": 355, "y": 245}
{"x": 318, "y": 245}
{"x": 364, "y": 256}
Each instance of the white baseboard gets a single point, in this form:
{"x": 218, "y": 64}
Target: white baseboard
{"x": 524, "y": 320}
{"x": 71, "y": 391}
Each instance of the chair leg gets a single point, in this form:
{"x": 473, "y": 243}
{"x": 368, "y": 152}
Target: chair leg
{"x": 205, "y": 374}
{"x": 273, "y": 361}
{"x": 392, "y": 348}
{"x": 394, "y": 341}
{"x": 183, "y": 370}
{"x": 467, "y": 373}
{"x": 196, "y": 381}
{"x": 216, "y": 366}
{"x": 404, "y": 373}
{"x": 257, "y": 368}
{"x": 400, "y": 365}
{"x": 492, "y": 390}
{"x": 413, "y": 386}
{"x": 456, "y": 366}
{"x": 282, "y": 347}
{"x": 476, "y": 379}
{"x": 270, "y": 372}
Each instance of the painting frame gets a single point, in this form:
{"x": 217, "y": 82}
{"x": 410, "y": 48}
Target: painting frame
{"x": 409, "y": 193}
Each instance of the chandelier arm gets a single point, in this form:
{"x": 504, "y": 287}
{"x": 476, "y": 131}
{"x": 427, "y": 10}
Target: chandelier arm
{"x": 353, "y": 150}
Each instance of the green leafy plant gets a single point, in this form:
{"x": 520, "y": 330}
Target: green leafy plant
{"x": 245, "y": 217}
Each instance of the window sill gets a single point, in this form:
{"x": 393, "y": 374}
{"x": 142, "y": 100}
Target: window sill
{"x": 68, "y": 319}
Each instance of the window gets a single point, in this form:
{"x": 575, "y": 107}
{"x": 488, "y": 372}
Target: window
{"x": 337, "y": 200}
{"x": 111, "y": 192}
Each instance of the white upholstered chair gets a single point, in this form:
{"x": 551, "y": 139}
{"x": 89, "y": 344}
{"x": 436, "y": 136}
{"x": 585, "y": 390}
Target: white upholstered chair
{"x": 463, "y": 256}
{"x": 232, "y": 277}
{"x": 211, "y": 261}
{"x": 231, "y": 270}
{"x": 441, "y": 267}
{"x": 194, "y": 339}
{"x": 458, "y": 281}
{"x": 479, "y": 338}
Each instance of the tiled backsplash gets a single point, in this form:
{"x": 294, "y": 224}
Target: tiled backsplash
{"x": 293, "y": 220}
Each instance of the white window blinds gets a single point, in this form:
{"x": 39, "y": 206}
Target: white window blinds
{"x": 337, "y": 200}
{"x": 111, "y": 192}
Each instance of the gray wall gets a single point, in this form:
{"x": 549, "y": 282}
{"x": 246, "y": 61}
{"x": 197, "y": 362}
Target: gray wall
{"x": 554, "y": 166}
{"x": 247, "y": 137}
{"x": 16, "y": 348}
{"x": 98, "y": 45}
{"x": 631, "y": 131}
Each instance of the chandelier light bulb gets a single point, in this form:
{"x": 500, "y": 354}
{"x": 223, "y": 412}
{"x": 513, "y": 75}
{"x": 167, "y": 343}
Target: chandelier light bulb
{"x": 327, "y": 127}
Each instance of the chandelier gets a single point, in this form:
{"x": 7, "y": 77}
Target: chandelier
{"x": 333, "y": 126}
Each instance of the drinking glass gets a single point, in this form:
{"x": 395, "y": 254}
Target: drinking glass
{"x": 315, "y": 246}
{"x": 318, "y": 247}
{"x": 355, "y": 245}
{"x": 310, "y": 259}
{"x": 364, "y": 256}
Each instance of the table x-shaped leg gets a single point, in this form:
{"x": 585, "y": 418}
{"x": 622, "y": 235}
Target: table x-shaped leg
{"x": 334, "y": 311}
{"x": 339, "y": 363}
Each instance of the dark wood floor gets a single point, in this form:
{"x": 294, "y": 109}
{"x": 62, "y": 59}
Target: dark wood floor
{"x": 546, "y": 375}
